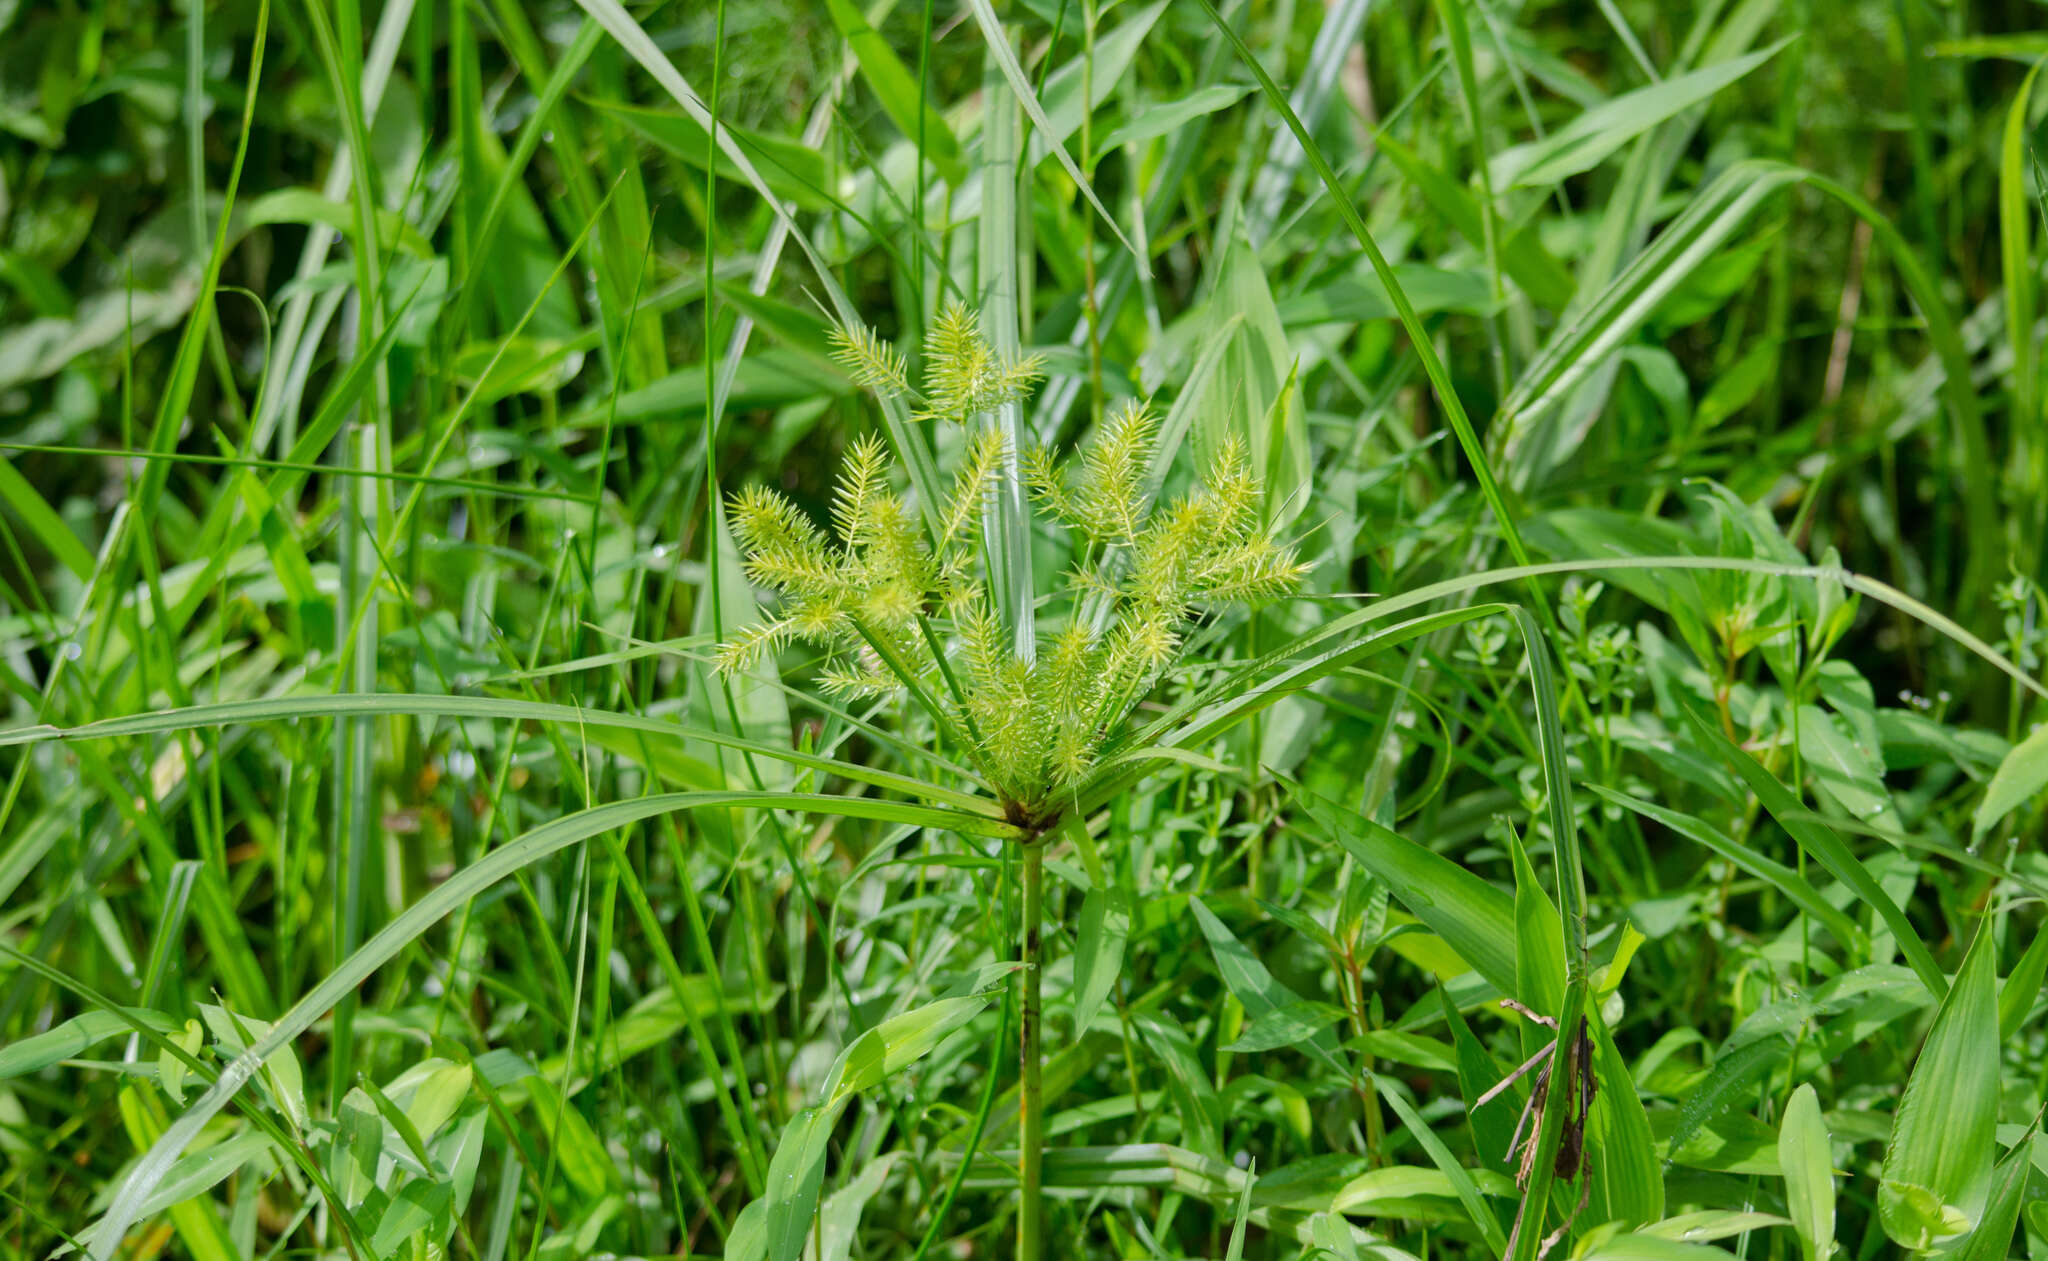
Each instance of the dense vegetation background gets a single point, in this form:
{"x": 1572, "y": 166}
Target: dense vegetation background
{"x": 383, "y": 853}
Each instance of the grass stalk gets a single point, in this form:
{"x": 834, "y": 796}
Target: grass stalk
{"x": 1030, "y": 1092}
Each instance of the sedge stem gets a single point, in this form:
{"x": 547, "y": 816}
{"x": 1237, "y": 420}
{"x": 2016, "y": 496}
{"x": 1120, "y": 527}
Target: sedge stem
{"x": 1030, "y": 1103}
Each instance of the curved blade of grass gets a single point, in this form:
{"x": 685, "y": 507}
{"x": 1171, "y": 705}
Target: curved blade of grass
{"x": 1817, "y": 839}
{"x": 347, "y": 704}
{"x": 1586, "y": 140}
{"x": 1006, "y": 59}
{"x": 1473, "y": 917}
{"x": 1288, "y": 655}
{"x": 1582, "y": 345}
{"x": 1254, "y": 694}
{"x": 1794, "y": 886}
{"x": 104, "y": 1242}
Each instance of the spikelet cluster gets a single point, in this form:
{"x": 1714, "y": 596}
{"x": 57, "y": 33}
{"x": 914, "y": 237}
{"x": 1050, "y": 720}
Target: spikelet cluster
{"x": 892, "y": 602}
{"x": 964, "y": 376}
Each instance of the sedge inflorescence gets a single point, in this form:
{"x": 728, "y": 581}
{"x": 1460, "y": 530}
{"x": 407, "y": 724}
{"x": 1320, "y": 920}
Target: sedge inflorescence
{"x": 897, "y": 602}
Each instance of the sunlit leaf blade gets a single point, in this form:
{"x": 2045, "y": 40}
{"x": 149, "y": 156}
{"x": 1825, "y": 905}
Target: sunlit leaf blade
{"x": 1806, "y": 1156}
{"x": 1937, "y": 1164}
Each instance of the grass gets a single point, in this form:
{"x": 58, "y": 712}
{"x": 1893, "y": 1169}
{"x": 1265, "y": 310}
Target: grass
{"x": 451, "y": 811}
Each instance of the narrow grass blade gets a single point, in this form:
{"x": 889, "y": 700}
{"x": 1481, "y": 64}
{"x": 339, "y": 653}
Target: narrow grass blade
{"x": 337, "y": 705}
{"x": 2022, "y": 281}
{"x": 1783, "y": 878}
{"x": 1006, "y": 59}
{"x": 1817, "y": 839}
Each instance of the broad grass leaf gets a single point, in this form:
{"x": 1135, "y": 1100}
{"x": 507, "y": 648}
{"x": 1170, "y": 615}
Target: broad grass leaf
{"x": 1648, "y": 1247}
{"x": 281, "y": 1074}
{"x": 306, "y": 206}
{"x": 2023, "y": 773}
{"x": 796, "y": 1172}
{"x": 1188, "y": 1083}
{"x": 904, "y": 1039}
{"x": 1171, "y": 115}
{"x": 1388, "y": 1192}
{"x": 1937, "y": 1166}
{"x": 418, "y": 1205}
{"x": 790, "y": 168}
{"x": 1492, "y": 1125}
{"x": 839, "y": 1219}
{"x": 1710, "y": 1224}
{"x": 1581, "y": 144}
{"x": 1806, "y": 1155}
{"x": 352, "y": 1156}
{"x": 437, "y": 1098}
{"x": 1476, "y": 919}
{"x": 1735, "y": 1070}
{"x": 579, "y": 1151}
{"x": 1247, "y": 978}
{"x": 795, "y": 1175}
{"x": 1290, "y": 1023}
{"x": 1844, "y": 771}
{"x": 1539, "y": 947}
{"x": 1628, "y": 1179}
{"x": 74, "y": 1038}
{"x": 1105, "y": 925}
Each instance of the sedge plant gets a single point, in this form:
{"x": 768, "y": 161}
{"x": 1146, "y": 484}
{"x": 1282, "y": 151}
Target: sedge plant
{"x": 902, "y": 611}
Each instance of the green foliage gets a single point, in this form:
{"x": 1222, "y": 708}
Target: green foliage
{"x": 1418, "y": 633}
